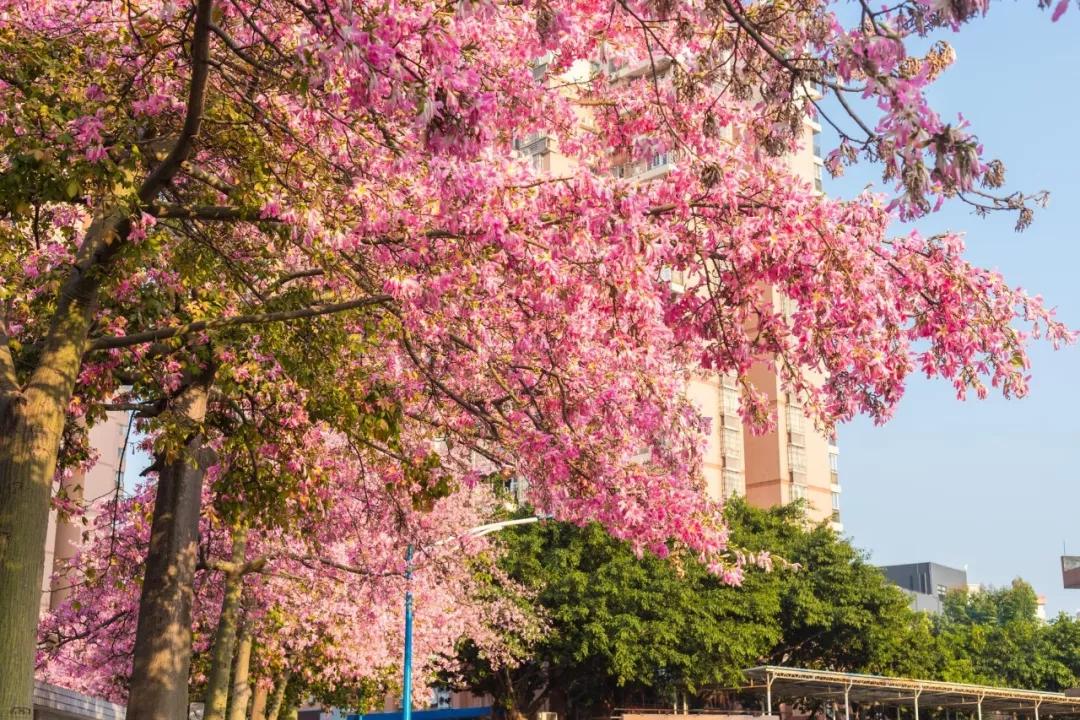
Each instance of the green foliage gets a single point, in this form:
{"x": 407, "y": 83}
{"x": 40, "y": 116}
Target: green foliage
{"x": 994, "y": 637}
{"x": 636, "y": 629}
{"x": 629, "y": 630}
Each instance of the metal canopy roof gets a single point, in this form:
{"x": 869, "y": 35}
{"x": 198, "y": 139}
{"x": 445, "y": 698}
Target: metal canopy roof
{"x": 846, "y": 688}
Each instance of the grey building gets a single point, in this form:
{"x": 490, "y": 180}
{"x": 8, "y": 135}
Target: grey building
{"x": 926, "y": 582}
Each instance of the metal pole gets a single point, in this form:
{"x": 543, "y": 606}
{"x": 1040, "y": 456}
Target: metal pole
{"x": 406, "y": 671}
{"x": 1037, "y": 709}
{"x": 847, "y": 702}
{"x": 768, "y": 695}
{"x": 980, "y": 707}
{"x": 406, "y": 680}
{"x": 917, "y": 694}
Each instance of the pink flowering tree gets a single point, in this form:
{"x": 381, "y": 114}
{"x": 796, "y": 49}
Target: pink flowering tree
{"x": 190, "y": 187}
{"x": 321, "y": 601}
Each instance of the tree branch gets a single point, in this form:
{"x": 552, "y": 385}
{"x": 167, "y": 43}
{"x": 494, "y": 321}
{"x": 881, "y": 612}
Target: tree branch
{"x": 240, "y": 52}
{"x": 219, "y": 213}
{"x": 108, "y": 342}
{"x": 200, "y": 73}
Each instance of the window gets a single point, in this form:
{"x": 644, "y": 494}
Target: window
{"x": 541, "y": 161}
{"x": 795, "y": 426}
{"x": 441, "y": 697}
{"x": 516, "y": 487}
{"x": 942, "y": 591}
{"x": 817, "y": 143}
{"x": 734, "y": 483}
{"x": 733, "y": 442}
{"x": 798, "y": 491}
{"x": 658, "y": 160}
{"x": 730, "y": 401}
{"x": 678, "y": 280}
{"x": 796, "y": 458}
{"x": 818, "y": 184}
{"x": 787, "y": 307}
{"x": 833, "y": 461}
{"x": 836, "y": 501}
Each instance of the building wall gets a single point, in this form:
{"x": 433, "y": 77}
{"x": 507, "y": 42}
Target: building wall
{"x": 793, "y": 461}
{"x": 926, "y": 577}
{"x": 99, "y": 483}
{"x": 926, "y": 583}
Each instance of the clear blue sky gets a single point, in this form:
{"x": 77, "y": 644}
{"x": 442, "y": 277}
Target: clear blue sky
{"x": 992, "y": 485}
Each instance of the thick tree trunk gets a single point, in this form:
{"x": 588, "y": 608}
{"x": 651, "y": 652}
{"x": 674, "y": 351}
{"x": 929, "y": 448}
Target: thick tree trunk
{"x": 217, "y": 684}
{"x": 162, "y": 654}
{"x": 28, "y": 449}
{"x": 258, "y": 702}
{"x": 32, "y": 416}
{"x": 279, "y": 697}
{"x": 31, "y": 426}
{"x": 240, "y": 694}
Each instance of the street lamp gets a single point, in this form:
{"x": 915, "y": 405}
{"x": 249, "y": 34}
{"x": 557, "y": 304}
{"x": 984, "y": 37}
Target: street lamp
{"x": 476, "y": 532}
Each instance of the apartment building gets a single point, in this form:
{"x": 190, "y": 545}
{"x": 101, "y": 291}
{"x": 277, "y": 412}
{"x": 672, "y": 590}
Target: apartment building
{"x": 794, "y": 461}
{"x": 64, "y": 537}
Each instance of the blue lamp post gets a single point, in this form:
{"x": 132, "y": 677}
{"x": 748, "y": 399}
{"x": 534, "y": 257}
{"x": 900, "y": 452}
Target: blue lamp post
{"x": 406, "y": 680}
{"x": 406, "y": 672}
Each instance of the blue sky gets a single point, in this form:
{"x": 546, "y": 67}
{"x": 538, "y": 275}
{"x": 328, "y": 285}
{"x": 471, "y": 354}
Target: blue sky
{"x": 992, "y": 485}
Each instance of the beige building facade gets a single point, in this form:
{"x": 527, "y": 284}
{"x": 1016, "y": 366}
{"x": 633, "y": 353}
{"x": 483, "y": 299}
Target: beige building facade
{"x": 65, "y": 535}
{"x": 794, "y": 461}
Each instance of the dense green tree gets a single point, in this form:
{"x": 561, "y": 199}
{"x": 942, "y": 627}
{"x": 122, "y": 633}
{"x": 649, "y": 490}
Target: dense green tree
{"x": 994, "y": 636}
{"x": 624, "y": 629}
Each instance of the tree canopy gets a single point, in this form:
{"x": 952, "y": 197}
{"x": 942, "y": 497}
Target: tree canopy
{"x": 627, "y": 630}
{"x": 181, "y": 179}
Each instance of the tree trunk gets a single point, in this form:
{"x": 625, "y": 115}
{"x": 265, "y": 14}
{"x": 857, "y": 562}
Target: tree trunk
{"x": 162, "y": 653}
{"x": 28, "y": 450}
{"x": 258, "y": 702}
{"x": 279, "y": 697}
{"x": 241, "y": 679}
{"x": 31, "y": 426}
{"x": 217, "y": 684}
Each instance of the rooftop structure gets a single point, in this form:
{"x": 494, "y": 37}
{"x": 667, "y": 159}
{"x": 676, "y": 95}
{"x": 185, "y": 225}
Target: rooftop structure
{"x": 926, "y": 582}
{"x": 785, "y": 683}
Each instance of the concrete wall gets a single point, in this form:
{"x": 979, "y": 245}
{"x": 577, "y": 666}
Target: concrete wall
{"x": 927, "y": 578}
{"x": 52, "y": 702}
{"x": 65, "y": 535}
